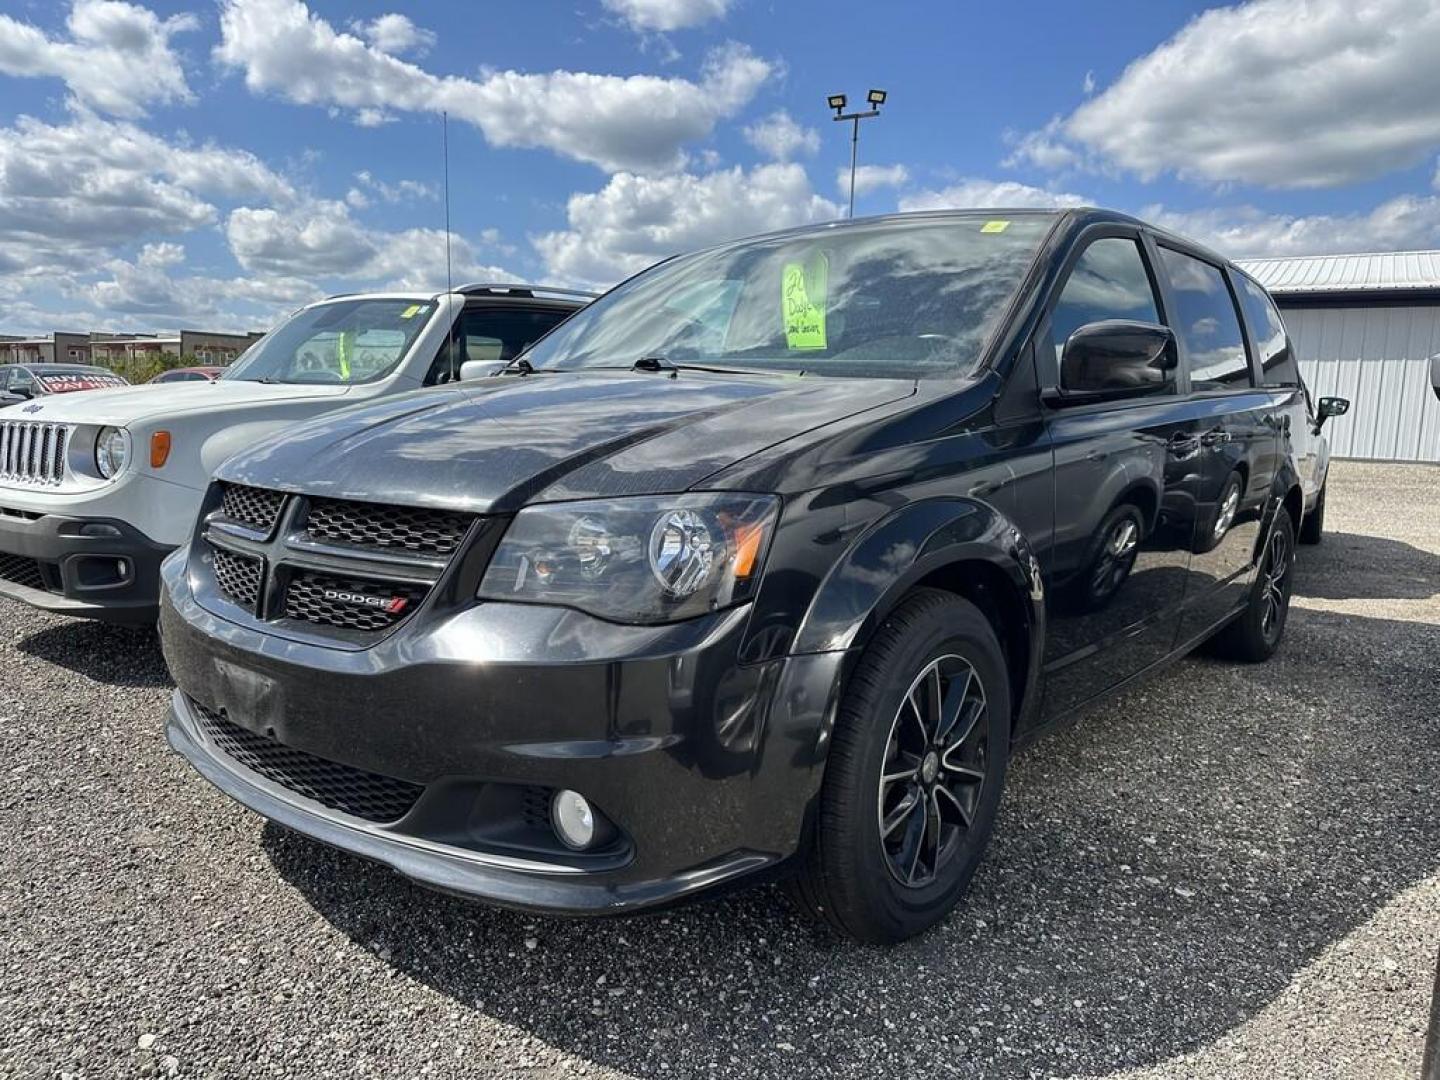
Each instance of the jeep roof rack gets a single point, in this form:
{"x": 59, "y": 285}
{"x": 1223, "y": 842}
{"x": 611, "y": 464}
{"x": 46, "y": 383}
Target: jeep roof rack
{"x": 519, "y": 289}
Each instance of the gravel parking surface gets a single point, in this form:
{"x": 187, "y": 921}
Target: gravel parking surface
{"x": 1227, "y": 872}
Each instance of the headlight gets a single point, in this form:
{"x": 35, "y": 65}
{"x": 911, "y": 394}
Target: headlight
{"x": 112, "y": 451}
{"x": 646, "y": 560}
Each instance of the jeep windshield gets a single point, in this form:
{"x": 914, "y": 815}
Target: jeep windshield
{"x": 901, "y": 298}
{"x": 345, "y": 341}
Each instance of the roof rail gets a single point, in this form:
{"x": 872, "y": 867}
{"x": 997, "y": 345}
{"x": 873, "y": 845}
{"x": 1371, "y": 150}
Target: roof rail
{"x": 520, "y": 289}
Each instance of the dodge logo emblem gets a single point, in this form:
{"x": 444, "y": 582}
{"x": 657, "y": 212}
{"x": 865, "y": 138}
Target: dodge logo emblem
{"x": 392, "y": 604}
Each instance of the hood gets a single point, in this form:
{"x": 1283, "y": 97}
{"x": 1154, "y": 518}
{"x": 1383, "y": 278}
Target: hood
{"x": 130, "y": 404}
{"x": 496, "y": 445}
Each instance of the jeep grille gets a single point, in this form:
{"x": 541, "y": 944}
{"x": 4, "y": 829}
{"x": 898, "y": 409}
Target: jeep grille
{"x": 33, "y": 453}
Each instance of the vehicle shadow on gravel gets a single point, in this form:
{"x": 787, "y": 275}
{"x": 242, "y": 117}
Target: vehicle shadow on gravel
{"x": 1161, "y": 872}
{"x": 114, "y": 655}
{"x": 1375, "y": 568}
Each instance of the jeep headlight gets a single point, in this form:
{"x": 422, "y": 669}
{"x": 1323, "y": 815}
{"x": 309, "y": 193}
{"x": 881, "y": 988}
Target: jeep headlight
{"x": 112, "y": 451}
{"x": 644, "y": 560}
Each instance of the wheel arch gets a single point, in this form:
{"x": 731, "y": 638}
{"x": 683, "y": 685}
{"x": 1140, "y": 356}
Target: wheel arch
{"x": 962, "y": 546}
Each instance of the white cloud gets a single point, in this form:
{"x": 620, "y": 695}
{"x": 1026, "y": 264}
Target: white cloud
{"x": 396, "y": 34}
{"x": 369, "y": 118}
{"x": 146, "y": 288}
{"x": 639, "y": 123}
{"x": 400, "y": 191}
{"x": 637, "y": 220}
{"x": 1405, "y": 222}
{"x": 1087, "y": 85}
{"x": 1044, "y": 148}
{"x": 1287, "y": 94}
{"x": 974, "y": 192}
{"x": 870, "y": 178}
{"x": 74, "y": 190}
{"x": 665, "y": 15}
{"x": 320, "y": 239}
{"x": 117, "y": 59}
{"x": 781, "y": 137}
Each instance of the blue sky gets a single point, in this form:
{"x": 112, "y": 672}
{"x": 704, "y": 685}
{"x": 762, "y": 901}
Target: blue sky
{"x": 213, "y": 164}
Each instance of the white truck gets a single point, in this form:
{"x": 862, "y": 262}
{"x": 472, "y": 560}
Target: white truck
{"x": 97, "y": 488}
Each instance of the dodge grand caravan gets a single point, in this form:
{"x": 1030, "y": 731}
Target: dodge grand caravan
{"x": 759, "y": 566}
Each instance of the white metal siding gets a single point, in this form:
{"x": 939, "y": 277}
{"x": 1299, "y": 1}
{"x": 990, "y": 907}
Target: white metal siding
{"x": 1378, "y": 357}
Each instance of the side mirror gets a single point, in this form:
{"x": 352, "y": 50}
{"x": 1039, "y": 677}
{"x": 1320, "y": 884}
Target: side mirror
{"x": 471, "y": 370}
{"x": 1330, "y": 406}
{"x": 1116, "y": 356}
{"x": 21, "y": 392}
{"x": 1435, "y": 374}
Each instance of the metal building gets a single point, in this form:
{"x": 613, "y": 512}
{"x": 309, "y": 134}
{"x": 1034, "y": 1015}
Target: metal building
{"x": 1365, "y": 327}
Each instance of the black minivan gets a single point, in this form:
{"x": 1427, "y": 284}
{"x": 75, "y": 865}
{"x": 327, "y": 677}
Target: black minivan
{"x": 761, "y": 565}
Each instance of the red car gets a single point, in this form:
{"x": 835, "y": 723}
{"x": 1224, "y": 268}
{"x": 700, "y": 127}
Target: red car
{"x": 189, "y": 374}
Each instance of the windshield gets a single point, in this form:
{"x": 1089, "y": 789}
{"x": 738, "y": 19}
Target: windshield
{"x": 348, "y": 341}
{"x": 907, "y": 299}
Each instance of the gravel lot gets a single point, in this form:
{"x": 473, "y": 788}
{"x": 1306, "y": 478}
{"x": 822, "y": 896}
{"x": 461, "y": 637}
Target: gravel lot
{"x": 1227, "y": 872}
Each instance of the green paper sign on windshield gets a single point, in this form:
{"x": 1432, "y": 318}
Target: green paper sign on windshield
{"x": 803, "y": 289}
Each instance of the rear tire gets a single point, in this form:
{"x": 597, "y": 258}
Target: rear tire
{"x": 1312, "y": 529}
{"x": 908, "y": 803}
{"x": 1255, "y": 634}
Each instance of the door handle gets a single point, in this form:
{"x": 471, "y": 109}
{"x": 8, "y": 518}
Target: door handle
{"x": 1216, "y": 436}
{"x": 1182, "y": 443}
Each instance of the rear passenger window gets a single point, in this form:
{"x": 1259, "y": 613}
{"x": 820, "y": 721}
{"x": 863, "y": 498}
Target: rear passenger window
{"x": 1206, "y": 322}
{"x": 1277, "y": 358}
{"x": 1109, "y": 281}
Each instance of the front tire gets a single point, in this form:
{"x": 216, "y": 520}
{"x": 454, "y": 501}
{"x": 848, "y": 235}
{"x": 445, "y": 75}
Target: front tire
{"x": 915, "y": 773}
{"x": 1255, "y": 634}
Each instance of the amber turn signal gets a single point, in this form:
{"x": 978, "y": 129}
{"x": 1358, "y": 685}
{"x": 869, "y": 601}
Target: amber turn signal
{"x": 159, "y": 449}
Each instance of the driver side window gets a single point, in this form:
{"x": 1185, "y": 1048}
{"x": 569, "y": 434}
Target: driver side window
{"x": 1109, "y": 281}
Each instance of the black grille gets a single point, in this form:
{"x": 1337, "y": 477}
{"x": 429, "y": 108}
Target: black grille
{"x": 252, "y": 506}
{"x": 21, "y": 571}
{"x": 346, "y": 606}
{"x": 238, "y": 577}
{"x": 401, "y": 528}
{"x": 345, "y": 788}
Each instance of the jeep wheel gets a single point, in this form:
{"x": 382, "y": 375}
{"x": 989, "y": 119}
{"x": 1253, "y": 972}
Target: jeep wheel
{"x": 914, "y": 776}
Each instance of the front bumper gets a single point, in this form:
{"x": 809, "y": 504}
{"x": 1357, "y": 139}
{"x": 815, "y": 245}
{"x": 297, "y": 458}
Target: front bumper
{"x": 58, "y": 562}
{"x": 707, "y": 767}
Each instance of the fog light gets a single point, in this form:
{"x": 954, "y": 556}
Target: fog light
{"x": 98, "y": 528}
{"x": 573, "y": 819}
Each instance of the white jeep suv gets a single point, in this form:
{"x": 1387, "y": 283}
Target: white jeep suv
{"x": 97, "y": 488}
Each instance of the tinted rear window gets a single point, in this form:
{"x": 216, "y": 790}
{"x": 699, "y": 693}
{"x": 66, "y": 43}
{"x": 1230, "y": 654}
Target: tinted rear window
{"x": 1205, "y": 320}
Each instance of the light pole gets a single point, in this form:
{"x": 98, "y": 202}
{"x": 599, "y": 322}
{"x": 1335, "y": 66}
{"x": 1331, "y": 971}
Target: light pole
{"x": 875, "y": 98}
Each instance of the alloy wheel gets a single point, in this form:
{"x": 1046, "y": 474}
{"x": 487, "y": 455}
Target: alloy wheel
{"x": 1226, "y": 517}
{"x": 934, "y": 770}
{"x": 1116, "y": 558}
{"x": 1275, "y": 578}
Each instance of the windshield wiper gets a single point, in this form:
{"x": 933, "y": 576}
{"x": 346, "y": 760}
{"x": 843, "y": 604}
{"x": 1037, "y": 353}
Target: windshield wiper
{"x": 661, "y": 365}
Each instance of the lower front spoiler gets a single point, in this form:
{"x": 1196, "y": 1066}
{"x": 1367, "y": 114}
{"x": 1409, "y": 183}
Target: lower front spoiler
{"x": 90, "y": 568}
{"x": 504, "y": 880}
